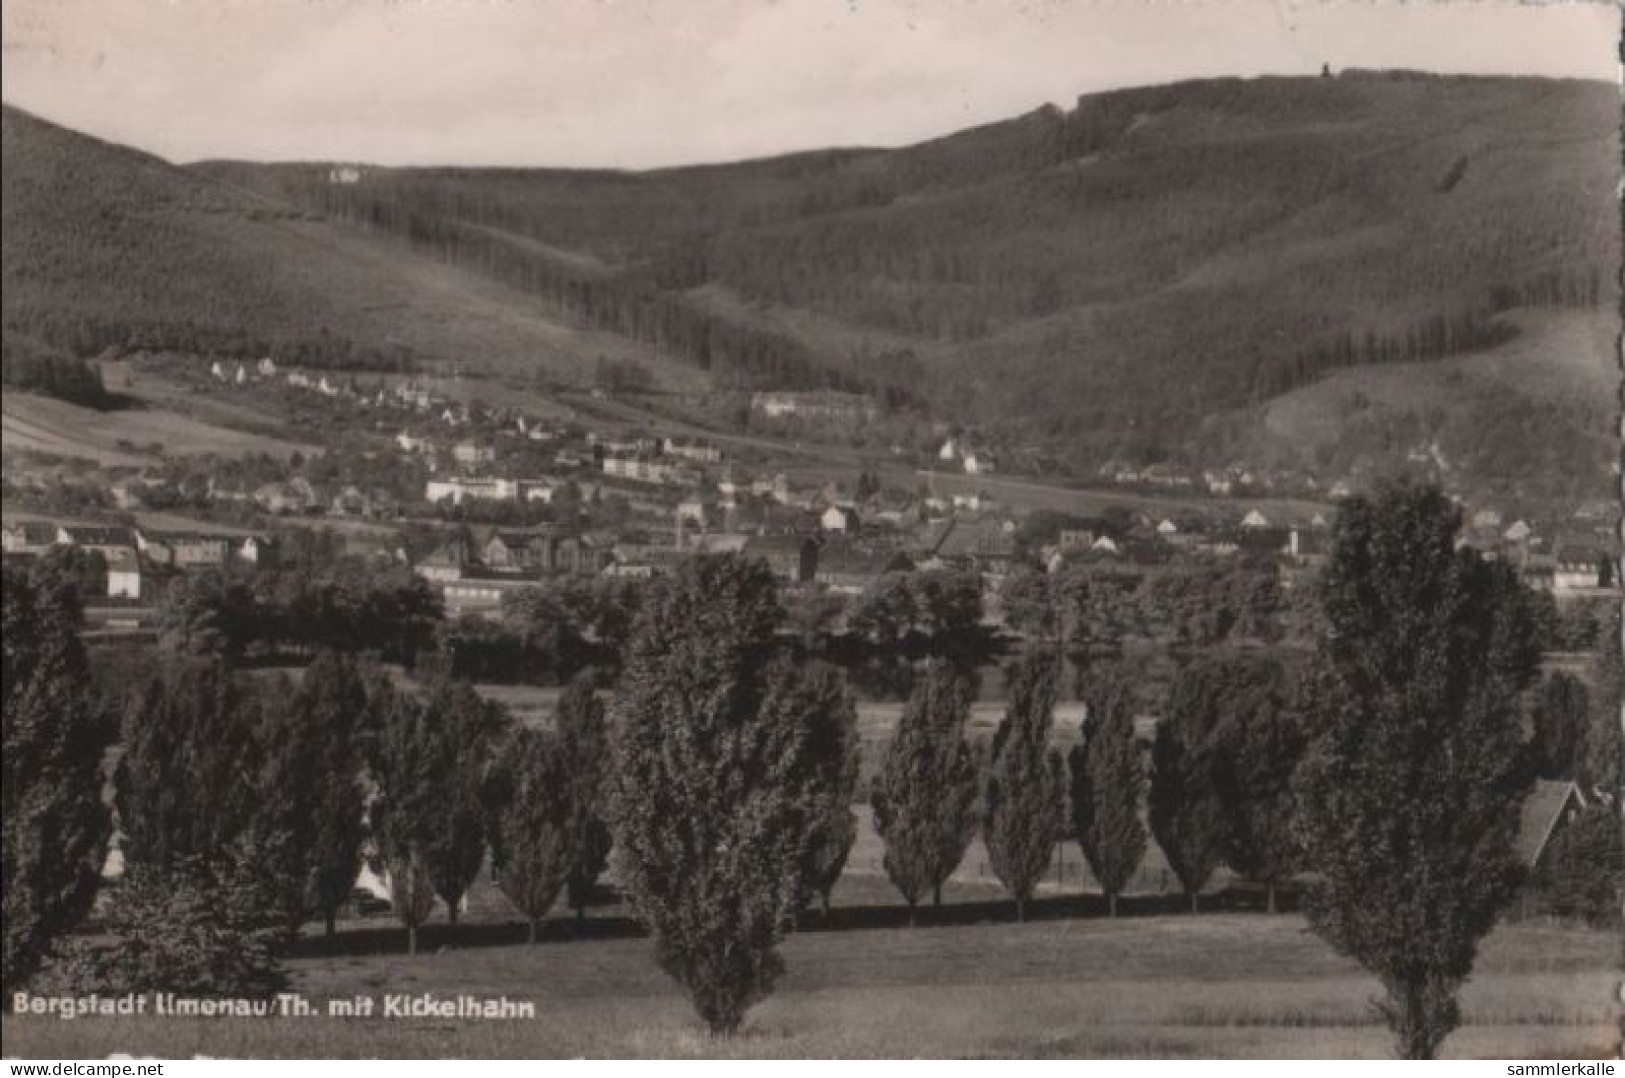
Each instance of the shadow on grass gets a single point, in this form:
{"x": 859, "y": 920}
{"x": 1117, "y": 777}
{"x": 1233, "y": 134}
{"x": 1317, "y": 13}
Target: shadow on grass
{"x": 380, "y": 934}
{"x": 1047, "y": 908}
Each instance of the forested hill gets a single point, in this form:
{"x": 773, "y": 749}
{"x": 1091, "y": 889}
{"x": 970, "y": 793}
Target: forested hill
{"x": 1101, "y": 280}
{"x": 1109, "y": 275}
{"x": 109, "y": 248}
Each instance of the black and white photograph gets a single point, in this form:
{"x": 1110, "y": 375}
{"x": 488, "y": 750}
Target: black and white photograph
{"x": 812, "y": 529}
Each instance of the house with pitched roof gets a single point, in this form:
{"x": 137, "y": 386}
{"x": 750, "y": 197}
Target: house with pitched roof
{"x": 1552, "y": 805}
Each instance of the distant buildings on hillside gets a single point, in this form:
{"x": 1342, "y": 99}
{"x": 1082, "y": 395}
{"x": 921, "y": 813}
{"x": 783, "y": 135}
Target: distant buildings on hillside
{"x": 820, "y": 404}
{"x": 133, "y": 555}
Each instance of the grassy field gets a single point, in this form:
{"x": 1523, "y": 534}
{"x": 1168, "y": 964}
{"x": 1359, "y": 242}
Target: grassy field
{"x": 125, "y": 436}
{"x": 1220, "y": 985}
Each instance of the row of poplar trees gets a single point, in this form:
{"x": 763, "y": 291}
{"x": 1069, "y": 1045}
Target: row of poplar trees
{"x": 246, "y": 806}
{"x": 1219, "y": 788}
{"x": 731, "y": 770}
{"x": 1406, "y": 776}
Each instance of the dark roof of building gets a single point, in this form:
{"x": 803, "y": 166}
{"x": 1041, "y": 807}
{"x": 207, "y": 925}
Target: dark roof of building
{"x": 99, "y": 535}
{"x": 516, "y": 537}
{"x": 982, "y": 537}
{"x": 777, "y": 544}
{"x": 859, "y": 561}
{"x": 38, "y": 532}
{"x": 189, "y": 537}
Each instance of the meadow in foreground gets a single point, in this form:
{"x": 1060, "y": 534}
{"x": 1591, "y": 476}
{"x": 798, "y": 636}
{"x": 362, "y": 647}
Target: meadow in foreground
{"x": 1170, "y": 985}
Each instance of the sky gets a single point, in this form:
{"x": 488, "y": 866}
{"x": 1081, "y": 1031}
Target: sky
{"x": 646, "y": 83}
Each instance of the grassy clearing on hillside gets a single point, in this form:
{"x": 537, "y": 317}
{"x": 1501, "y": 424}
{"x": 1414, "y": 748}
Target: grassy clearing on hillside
{"x": 1171, "y": 986}
{"x": 147, "y": 384}
{"x": 1527, "y": 421}
{"x": 126, "y": 436}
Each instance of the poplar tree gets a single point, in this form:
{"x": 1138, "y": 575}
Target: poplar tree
{"x": 408, "y": 766}
{"x": 55, "y": 825}
{"x": 431, "y": 812}
{"x": 188, "y": 784}
{"x": 530, "y": 824}
{"x": 1025, "y": 799}
{"x": 834, "y": 751}
{"x": 924, "y": 797}
{"x": 1260, "y": 745}
{"x": 1187, "y": 814}
{"x": 715, "y": 784}
{"x": 1412, "y": 792}
{"x": 583, "y": 742}
{"x": 314, "y": 774}
{"x": 465, "y": 727}
{"x": 1108, "y": 781}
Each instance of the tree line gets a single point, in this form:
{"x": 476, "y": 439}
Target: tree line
{"x": 36, "y": 368}
{"x": 84, "y": 336}
{"x": 1390, "y": 767}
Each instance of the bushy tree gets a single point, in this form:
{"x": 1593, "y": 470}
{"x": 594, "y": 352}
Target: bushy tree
{"x": 69, "y": 575}
{"x": 55, "y": 825}
{"x": 1260, "y": 742}
{"x": 194, "y": 928}
{"x": 1411, "y": 794}
{"x": 1025, "y": 800}
{"x": 584, "y": 745}
{"x": 1100, "y": 606}
{"x": 1187, "y": 814}
{"x": 1030, "y": 604}
{"x": 715, "y": 785}
{"x": 530, "y": 823}
{"x": 943, "y": 607}
{"x": 199, "y": 817}
{"x": 924, "y": 796}
{"x": 886, "y": 612}
{"x": 1108, "y": 781}
{"x": 207, "y": 614}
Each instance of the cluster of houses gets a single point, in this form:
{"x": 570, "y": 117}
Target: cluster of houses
{"x": 826, "y": 541}
{"x": 1572, "y": 562}
{"x": 633, "y": 467}
{"x": 256, "y": 372}
{"x": 1235, "y": 479}
{"x": 133, "y": 555}
{"x": 960, "y": 455}
{"x": 474, "y": 571}
{"x": 682, "y": 495}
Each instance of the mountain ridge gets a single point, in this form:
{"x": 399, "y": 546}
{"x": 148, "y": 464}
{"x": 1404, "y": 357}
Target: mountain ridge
{"x": 1122, "y": 278}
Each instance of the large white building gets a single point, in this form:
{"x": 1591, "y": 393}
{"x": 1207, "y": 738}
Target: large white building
{"x": 459, "y": 488}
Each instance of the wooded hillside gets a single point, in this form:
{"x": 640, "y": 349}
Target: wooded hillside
{"x": 1109, "y": 280}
